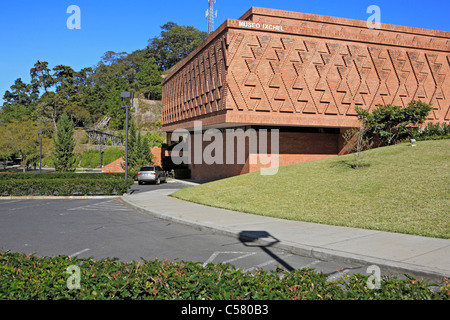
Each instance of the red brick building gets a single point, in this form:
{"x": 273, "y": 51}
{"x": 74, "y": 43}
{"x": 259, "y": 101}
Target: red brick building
{"x": 302, "y": 74}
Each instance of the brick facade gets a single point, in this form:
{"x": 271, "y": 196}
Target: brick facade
{"x": 279, "y": 68}
{"x": 294, "y": 147}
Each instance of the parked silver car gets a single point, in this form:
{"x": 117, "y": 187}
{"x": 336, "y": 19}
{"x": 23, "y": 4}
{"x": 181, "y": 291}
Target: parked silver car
{"x": 151, "y": 174}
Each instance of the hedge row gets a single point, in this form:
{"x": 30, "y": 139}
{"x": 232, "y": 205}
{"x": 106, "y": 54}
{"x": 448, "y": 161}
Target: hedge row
{"x": 432, "y": 131}
{"x": 30, "y": 277}
{"x": 59, "y": 175}
{"x": 64, "y": 187}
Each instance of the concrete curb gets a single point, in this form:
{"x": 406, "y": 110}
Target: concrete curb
{"x": 388, "y": 266}
{"x": 309, "y": 251}
{"x": 316, "y": 252}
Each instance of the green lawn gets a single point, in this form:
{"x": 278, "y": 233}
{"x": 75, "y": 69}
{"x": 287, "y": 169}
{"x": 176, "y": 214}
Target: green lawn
{"x": 403, "y": 189}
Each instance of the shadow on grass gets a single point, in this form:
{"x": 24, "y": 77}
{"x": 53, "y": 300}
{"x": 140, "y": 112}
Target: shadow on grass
{"x": 349, "y": 164}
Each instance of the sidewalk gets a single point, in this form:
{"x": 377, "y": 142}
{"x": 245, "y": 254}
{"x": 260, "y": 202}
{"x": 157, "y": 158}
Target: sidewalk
{"x": 417, "y": 256}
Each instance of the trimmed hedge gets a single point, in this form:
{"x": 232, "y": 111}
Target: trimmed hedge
{"x": 60, "y": 175}
{"x": 63, "y": 184}
{"x": 432, "y": 131}
{"x": 64, "y": 187}
{"x": 27, "y": 277}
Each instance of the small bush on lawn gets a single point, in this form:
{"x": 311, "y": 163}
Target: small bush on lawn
{"x": 30, "y": 277}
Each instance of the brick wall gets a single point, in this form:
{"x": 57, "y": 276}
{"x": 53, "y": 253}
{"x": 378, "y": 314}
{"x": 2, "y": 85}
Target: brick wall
{"x": 157, "y": 156}
{"x": 312, "y": 73}
{"x": 280, "y": 68}
{"x": 294, "y": 147}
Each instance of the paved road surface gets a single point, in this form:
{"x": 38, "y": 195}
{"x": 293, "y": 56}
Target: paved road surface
{"x": 108, "y": 228}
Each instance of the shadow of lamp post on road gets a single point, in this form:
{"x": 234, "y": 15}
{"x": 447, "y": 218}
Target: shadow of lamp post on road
{"x": 263, "y": 240}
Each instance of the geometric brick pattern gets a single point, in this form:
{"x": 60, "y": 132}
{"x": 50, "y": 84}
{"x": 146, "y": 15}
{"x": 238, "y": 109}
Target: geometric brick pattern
{"x": 198, "y": 89}
{"x": 278, "y": 73}
{"x": 314, "y": 72}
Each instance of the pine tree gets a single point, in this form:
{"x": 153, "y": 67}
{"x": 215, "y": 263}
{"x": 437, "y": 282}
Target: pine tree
{"x": 139, "y": 153}
{"x": 149, "y": 79}
{"x": 143, "y": 152}
{"x": 63, "y": 157}
{"x": 147, "y": 154}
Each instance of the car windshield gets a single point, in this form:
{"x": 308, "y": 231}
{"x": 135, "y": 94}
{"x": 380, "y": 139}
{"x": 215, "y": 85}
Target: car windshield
{"x": 147, "y": 169}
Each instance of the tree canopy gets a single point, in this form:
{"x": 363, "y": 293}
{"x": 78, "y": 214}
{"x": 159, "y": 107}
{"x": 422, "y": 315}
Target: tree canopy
{"x": 175, "y": 44}
{"x": 93, "y": 92}
{"x": 21, "y": 139}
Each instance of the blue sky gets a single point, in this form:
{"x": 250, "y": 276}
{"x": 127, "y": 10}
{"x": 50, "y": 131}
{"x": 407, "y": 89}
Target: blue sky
{"x": 32, "y": 30}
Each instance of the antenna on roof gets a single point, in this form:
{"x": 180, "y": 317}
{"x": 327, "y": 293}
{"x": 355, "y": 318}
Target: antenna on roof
{"x": 210, "y": 15}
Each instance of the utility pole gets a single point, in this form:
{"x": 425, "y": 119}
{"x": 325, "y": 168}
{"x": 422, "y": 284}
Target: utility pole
{"x": 40, "y": 133}
{"x": 124, "y": 95}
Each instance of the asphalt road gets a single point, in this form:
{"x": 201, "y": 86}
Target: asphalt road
{"x": 101, "y": 228}
{"x": 171, "y": 184}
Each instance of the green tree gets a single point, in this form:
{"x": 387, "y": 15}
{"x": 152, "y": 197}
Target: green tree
{"x": 78, "y": 114}
{"x": 145, "y": 151}
{"x": 144, "y": 155}
{"x": 93, "y": 98}
{"x": 21, "y": 93}
{"x": 41, "y": 78}
{"x": 20, "y": 138}
{"x": 84, "y": 101}
{"x": 139, "y": 152}
{"x": 390, "y": 122}
{"x": 149, "y": 80}
{"x": 63, "y": 156}
{"x": 154, "y": 139}
{"x": 175, "y": 44}
{"x": 115, "y": 65}
{"x": 64, "y": 81}
{"x": 49, "y": 108}
{"x": 19, "y": 103}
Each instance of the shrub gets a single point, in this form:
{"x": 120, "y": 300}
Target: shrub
{"x": 64, "y": 187}
{"x": 60, "y": 175}
{"x": 30, "y": 277}
{"x": 391, "y": 122}
{"x": 59, "y": 183}
{"x": 432, "y": 131}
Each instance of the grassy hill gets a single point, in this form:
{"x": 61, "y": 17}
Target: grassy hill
{"x": 403, "y": 189}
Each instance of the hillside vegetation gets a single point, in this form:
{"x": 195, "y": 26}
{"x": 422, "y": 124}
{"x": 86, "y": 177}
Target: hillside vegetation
{"x": 401, "y": 189}
{"x": 91, "y": 96}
